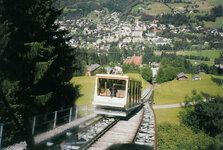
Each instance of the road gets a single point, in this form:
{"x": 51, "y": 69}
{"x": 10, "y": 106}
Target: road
{"x": 167, "y": 106}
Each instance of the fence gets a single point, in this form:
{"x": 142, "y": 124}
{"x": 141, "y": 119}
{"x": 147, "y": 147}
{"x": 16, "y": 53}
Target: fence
{"x": 43, "y": 123}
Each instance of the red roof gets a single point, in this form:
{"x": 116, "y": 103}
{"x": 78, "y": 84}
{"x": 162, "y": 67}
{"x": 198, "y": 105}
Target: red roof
{"x": 137, "y": 60}
{"x": 155, "y": 30}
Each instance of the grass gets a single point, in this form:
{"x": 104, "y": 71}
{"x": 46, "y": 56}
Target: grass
{"x": 137, "y": 76}
{"x": 212, "y": 54}
{"x": 175, "y": 91}
{"x": 168, "y": 115}
{"x": 217, "y": 24}
{"x": 87, "y": 87}
{"x": 177, "y": 4}
{"x": 135, "y": 8}
{"x": 157, "y": 8}
{"x": 215, "y": 2}
{"x": 209, "y": 63}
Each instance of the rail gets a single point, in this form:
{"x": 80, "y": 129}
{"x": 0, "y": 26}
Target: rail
{"x": 46, "y": 126}
{"x": 100, "y": 134}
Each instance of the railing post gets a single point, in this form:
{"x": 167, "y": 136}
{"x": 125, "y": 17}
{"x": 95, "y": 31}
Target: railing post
{"x": 70, "y": 116}
{"x": 55, "y": 120}
{"x": 76, "y": 112}
{"x": 1, "y": 135}
{"x": 34, "y": 124}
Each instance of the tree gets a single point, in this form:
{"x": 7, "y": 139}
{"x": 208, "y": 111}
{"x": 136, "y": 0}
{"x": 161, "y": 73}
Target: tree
{"x": 147, "y": 56}
{"x": 114, "y": 55}
{"x": 36, "y": 64}
{"x": 166, "y": 74}
{"x": 202, "y": 115}
{"x": 130, "y": 68}
{"x": 100, "y": 71}
{"x": 146, "y": 73}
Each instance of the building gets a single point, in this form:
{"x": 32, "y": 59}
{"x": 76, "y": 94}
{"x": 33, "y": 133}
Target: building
{"x": 182, "y": 76}
{"x": 137, "y": 60}
{"x": 91, "y": 69}
{"x": 196, "y": 77}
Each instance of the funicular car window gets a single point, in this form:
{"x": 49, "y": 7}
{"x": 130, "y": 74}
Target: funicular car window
{"x": 111, "y": 87}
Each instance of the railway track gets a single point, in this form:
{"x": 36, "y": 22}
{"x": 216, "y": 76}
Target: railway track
{"x": 123, "y": 131}
{"x": 138, "y": 129}
{"x": 87, "y": 134}
{"x": 146, "y": 131}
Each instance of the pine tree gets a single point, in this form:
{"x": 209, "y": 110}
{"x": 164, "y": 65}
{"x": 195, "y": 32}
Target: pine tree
{"x": 36, "y": 64}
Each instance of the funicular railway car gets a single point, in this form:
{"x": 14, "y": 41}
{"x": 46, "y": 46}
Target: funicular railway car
{"x": 116, "y": 95}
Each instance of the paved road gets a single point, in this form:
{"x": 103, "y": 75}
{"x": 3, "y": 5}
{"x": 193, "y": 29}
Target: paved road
{"x": 167, "y": 106}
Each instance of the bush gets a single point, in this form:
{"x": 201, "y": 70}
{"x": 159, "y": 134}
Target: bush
{"x": 181, "y": 137}
{"x": 100, "y": 71}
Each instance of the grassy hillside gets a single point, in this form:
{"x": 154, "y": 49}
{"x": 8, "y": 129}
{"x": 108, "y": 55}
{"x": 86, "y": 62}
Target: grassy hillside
{"x": 194, "y": 62}
{"x": 212, "y": 54}
{"x": 157, "y": 8}
{"x": 175, "y": 91}
{"x": 145, "y": 84}
{"x": 167, "y": 115}
{"x": 217, "y": 24}
{"x": 87, "y": 87}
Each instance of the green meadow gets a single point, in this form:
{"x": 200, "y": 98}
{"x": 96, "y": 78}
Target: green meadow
{"x": 87, "y": 85}
{"x": 169, "y": 115}
{"x": 209, "y": 63}
{"x": 175, "y": 91}
{"x": 157, "y": 8}
{"x": 217, "y": 24}
{"x": 86, "y": 89}
{"x": 212, "y": 54}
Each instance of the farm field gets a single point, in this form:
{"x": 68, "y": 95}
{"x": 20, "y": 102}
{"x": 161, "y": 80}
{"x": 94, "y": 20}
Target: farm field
{"x": 212, "y": 54}
{"x": 168, "y": 115}
{"x": 209, "y": 63}
{"x": 157, "y": 8}
{"x": 175, "y": 91}
{"x": 87, "y": 87}
{"x": 217, "y": 24}
{"x": 135, "y": 8}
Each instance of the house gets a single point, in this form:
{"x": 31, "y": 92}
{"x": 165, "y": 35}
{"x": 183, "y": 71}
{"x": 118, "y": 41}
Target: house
{"x": 182, "y": 76}
{"x": 91, "y": 69}
{"x": 155, "y": 71}
{"x": 196, "y": 77}
{"x": 109, "y": 70}
{"x": 117, "y": 70}
{"x": 137, "y": 60}
{"x": 220, "y": 66}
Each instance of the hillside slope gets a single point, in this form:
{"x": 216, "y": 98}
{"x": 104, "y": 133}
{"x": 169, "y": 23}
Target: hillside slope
{"x": 175, "y": 91}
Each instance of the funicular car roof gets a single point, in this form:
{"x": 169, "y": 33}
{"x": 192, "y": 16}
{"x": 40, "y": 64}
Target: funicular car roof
{"x": 115, "y": 76}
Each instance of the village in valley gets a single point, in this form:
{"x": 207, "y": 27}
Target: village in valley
{"x": 100, "y": 31}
